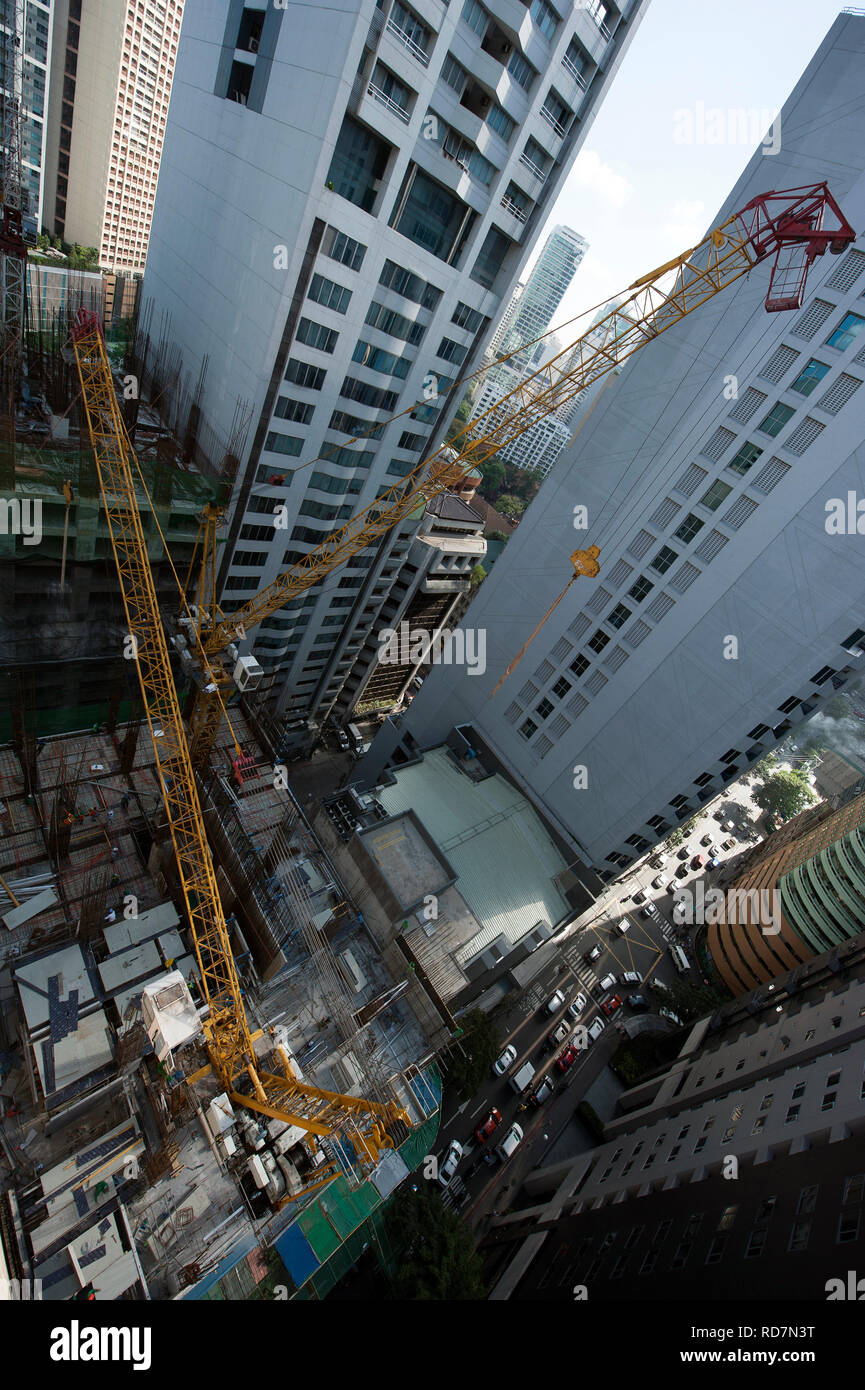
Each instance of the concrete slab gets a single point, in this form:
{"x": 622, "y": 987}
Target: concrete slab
{"x": 68, "y": 967}
{"x": 30, "y": 907}
{"x": 137, "y": 963}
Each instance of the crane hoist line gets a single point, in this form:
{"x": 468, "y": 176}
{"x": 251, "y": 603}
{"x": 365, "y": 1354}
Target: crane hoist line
{"x": 797, "y": 225}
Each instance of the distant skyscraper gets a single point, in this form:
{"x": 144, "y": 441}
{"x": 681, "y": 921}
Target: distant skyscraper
{"x": 545, "y": 288}
{"x": 24, "y": 62}
{"x": 111, "y": 76}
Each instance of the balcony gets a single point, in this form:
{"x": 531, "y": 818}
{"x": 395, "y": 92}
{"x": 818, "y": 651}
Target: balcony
{"x": 514, "y": 208}
{"x": 555, "y": 125}
{"x": 414, "y": 48}
{"x": 533, "y": 169}
{"x": 573, "y": 71}
{"x": 393, "y": 107}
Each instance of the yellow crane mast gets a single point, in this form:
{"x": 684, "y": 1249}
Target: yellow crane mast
{"x": 797, "y": 224}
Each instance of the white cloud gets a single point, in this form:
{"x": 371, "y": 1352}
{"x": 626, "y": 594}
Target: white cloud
{"x": 686, "y": 225}
{"x": 592, "y": 173}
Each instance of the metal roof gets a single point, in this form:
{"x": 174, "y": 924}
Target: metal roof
{"x": 495, "y": 840}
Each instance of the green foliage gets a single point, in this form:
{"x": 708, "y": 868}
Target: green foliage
{"x": 472, "y": 1055}
{"x": 785, "y": 794}
{"x": 439, "y": 1263}
{"x": 511, "y": 506}
{"x": 679, "y": 836}
{"x": 493, "y": 474}
{"x": 694, "y": 1001}
{"x": 464, "y": 409}
{"x": 477, "y": 577}
{"x": 498, "y": 536}
{"x": 591, "y": 1120}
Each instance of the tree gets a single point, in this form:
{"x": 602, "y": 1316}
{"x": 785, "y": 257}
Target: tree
{"x": 785, "y": 794}
{"x": 510, "y": 506}
{"x": 498, "y": 535}
{"x": 472, "y": 1054}
{"x": 477, "y": 577}
{"x": 438, "y": 1261}
{"x": 493, "y": 474}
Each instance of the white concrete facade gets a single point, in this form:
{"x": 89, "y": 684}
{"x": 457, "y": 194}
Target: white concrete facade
{"x": 647, "y": 707}
{"x": 336, "y": 203}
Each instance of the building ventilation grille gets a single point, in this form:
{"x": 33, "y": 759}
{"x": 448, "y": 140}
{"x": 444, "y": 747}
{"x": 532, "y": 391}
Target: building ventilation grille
{"x": 803, "y": 436}
{"x": 576, "y": 705}
{"x": 659, "y": 607}
{"x": 543, "y": 746}
{"x": 711, "y": 546}
{"x": 513, "y": 712}
{"x": 638, "y": 633}
{"x": 746, "y": 406}
{"x": 812, "y": 318}
{"x": 770, "y": 475}
{"x": 619, "y": 573}
{"x": 599, "y": 600}
{"x": 718, "y": 444}
{"x": 528, "y": 692}
{"x": 618, "y": 656}
{"x": 562, "y": 650}
{"x": 559, "y": 726}
{"x": 839, "y": 393}
{"x": 739, "y": 512}
{"x": 544, "y": 671}
{"x": 845, "y": 275}
{"x": 596, "y": 683}
{"x": 579, "y": 625}
{"x": 684, "y": 577}
{"x": 779, "y": 364}
{"x": 663, "y": 515}
{"x": 691, "y": 480}
{"x": 641, "y": 543}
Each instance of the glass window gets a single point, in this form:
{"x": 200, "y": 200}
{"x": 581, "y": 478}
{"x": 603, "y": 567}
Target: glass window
{"x": 342, "y": 248}
{"x": 715, "y": 495}
{"x": 599, "y": 641}
{"x": 640, "y": 589}
{"x": 664, "y": 559}
{"x": 378, "y": 360}
{"x": 743, "y": 459}
{"x": 331, "y": 295}
{"x": 499, "y": 121}
{"x": 489, "y": 262}
{"x": 304, "y": 374}
{"x": 545, "y": 708}
{"x": 580, "y": 665}
{"x": 688, "y": 528}
{"x": 522, "y": 72}
{"x": 432, "y": 217}
{"x": 467, "y": 318}
{"x": 358, "y": 164}
{"x": 545, "y": 17}
{"x": 528, "y": 728}
{"x": 454, "y": 74}
{"x": 810, "y": 376}
{"x": 561, "y": 688}
{"x": 774, "y": 422}
{"x": 395, "y": 277}
{"x": 849, "y": 328}
{"x": 475, "y": 16}
{"x": 315, "y": 335}
{"x": 619, "y": 616}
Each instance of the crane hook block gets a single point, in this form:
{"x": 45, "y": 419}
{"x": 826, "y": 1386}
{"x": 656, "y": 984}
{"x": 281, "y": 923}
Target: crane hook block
{"x": 586, "y": 562}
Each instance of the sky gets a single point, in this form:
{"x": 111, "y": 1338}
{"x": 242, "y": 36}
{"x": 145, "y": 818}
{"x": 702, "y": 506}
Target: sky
{"x": 641, "y": 191}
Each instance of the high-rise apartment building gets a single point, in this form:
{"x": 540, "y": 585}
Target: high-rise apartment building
{"x": 731, "y": 601}
{"x": 346, "y": 199}
{"x": 545, "y": 288}
{"x": 25, "y": 57}
{"x": 111, "y": 74}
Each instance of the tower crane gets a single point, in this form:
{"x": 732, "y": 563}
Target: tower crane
{"x": 797, "y": 225}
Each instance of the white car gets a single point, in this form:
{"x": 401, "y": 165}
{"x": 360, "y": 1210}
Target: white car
{"x": 555, "y": 1002}
{"x": 576, "y": 1006}
{"x": 630, "y": 977}
{"x": 609, "y": 982}
{"x": 596, "y": 1029}
{"x": 510, "y": 1142}
{"x": 508, "y": 1057}
{"x": 450, "y": 1162}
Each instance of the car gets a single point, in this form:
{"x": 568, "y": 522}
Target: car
{"x": 630, "y": 977}
{"x": 719, "y": 815}
{"x": 659, "y": 881}
{"x": 651, "y": 912}
{"x": 639, "y": 896}
{"x": 727, "y": 825}
{"x": 683, "y": 852}
{"x": 555, "y": 1002}
{"x": 658, "y": 986}
{"x": 668, "y": 1013}
{"x": 567, "y": 1059}
{"x": 712, "y": 851}
{"x": 509, "y": 1143}
{"x": 576, "y": 1006}
{"x": 342, "y": 740}
{"x": 706, "y": 839}
{"x": 508, "y": 1057}
{"x": 671, "y": 885}
{"x": 728, "y": 844}
{"x": 543, "y": 1092}
{"x": 450, "y": 1162}
{"x": 596, "y": 1029}
{"x": 559, "y": 1033}
{"x": 493, "y": 1120}
{"x": 682, "y": 871}
{"x": 697, "y": 862}
{"x": 609, "y": 981}
{"x": 592, "y": 954}
{"x": 638, "y": 1003}
{"x": 611, "y": 1005}
{"x": 623, "y": 925}
{"x": 658, "y": 861}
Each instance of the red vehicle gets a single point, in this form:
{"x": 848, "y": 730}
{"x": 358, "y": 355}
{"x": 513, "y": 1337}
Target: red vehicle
{"x": 567, "y": 1059}
{"x": 493, "y": 1120}
{"x": 697, "y": 862}
{"x": 610, "y": 1005}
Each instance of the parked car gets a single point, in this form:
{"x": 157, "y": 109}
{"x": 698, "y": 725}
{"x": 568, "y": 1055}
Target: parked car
{"x": 659, "y": 882}
{"x": 623, "y": 925}
{"x": 612, "y": 1005}
{"x": 567, "y": 1059}
{"x": 719, "y": 815}
{"x": 342, "y": 740}
{"x": 509, "y": 1143}
{"x": 609, "y": 981}
{"x": 651, "y": 912}
{"x": 668, "y": 1013}
{"x": 713, "y": 851}
{"x": 658, "y": 986}
{"x": 697, "y": 862}
{"x": 727, "y": 825}
{"x": 576, "y": 1006}
{"x": 596, "y": 1029}
{"x": 638, "y": 1003}
{"x": 491, "y": 1123}
{"x": 683, "y": 852}
{"x": 682, "y": 871}
{"x": 593, "y": 954}
{"x": 559, "y": 1033}
{"x": 629, "y": 977}
{"x": 544, "y": 1091}
{"x": 706, "y": 839}
{"x": 508, "y": 1057}
{"x": 728, "y": 844}
{"x": 450, "y": 1162}
{"x": 640, "y": 896}
{"x": 555, "y": 1002}
{"x": 658, "y": 861}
